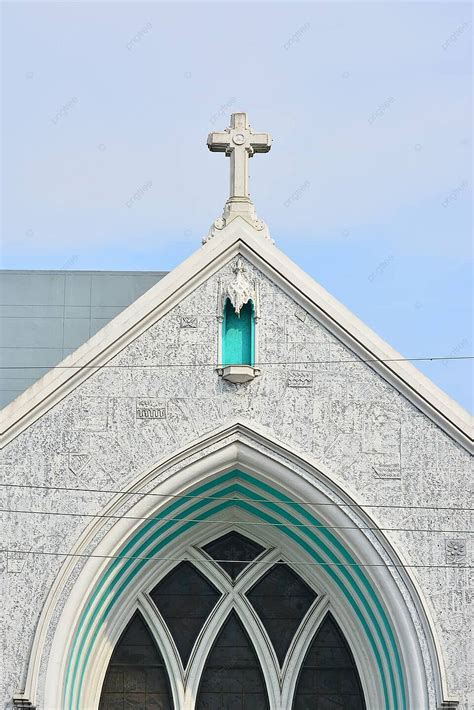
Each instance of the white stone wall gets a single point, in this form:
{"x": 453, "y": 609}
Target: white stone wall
{"x": 342, "y": 413}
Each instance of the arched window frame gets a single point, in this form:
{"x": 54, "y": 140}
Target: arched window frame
{"x": 280, "y": 682}
{"x": 51, "y": 663}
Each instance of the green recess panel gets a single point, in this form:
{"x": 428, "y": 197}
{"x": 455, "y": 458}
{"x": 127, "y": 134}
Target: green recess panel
{"x": 238, "y": 335}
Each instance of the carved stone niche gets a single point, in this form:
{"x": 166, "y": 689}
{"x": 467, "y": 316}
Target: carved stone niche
{"x": 239, "y": 290}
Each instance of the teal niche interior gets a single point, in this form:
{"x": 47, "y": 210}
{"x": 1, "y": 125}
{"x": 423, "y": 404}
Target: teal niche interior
{"x": 237, "y": 311}
{"x": 238, "y": 335}
{"x": 237, "y": 351}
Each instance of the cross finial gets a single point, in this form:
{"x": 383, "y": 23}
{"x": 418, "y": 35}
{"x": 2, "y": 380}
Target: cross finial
{"x": 239, "y": 143}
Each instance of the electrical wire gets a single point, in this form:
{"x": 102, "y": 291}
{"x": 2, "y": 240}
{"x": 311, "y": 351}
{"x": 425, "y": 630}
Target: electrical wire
{"x": 236, "y": 522}
{"x": 190, "y": 496}
{"x": 256, "y": 562}
{"x": 213, "y": 364}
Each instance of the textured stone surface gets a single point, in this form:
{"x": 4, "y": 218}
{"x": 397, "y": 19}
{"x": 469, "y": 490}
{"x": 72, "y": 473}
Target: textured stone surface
{"x": 342, "y": 413}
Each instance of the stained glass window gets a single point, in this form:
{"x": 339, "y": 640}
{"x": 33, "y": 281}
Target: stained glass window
{"x": 231, "y": 548}
{"x": 329, "y": 676}
{"x": 232, "y": 678}
{"x": 185, "y": 599}
{"x": 281, "y": 599}
{"x": 136, "y": 678}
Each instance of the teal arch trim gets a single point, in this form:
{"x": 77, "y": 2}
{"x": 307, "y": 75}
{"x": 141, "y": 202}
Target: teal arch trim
{"x": 187, "y": 512}
{"x": 351, "y": 580}
{"x": 238, "y": 335}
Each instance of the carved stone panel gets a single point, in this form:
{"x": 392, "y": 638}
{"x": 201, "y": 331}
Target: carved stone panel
{"x": 189, "y": 322}
{"x": 299, "y": 378}
{"x": 150, "y": 408}
{"x": 16, "y": 562}
{"x": 381, "y": 438}
{"x": 455, "y": 552}
{"x": 77, "y": 461}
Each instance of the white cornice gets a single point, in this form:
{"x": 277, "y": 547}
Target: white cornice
{"x": 238, "y": 238}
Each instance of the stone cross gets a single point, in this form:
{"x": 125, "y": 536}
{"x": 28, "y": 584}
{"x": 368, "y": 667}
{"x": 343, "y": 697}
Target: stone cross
{"x": 240, "y": 143}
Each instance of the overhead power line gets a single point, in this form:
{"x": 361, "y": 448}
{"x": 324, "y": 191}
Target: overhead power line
{"x": 213, "y": 364}
{"x": 247, "y": 562}
{"x": 190, "y": 496}
{"x": 237, "y": 522}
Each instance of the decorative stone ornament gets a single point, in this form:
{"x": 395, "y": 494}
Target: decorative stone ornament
{"x": 238, "y": 374}
{"x": 455, "y": 551}
{"x": 239, "y": 143}
{"x": 77, "y": 461}
{"x": 239, "y": 291}
{"x": 16, "y": 561}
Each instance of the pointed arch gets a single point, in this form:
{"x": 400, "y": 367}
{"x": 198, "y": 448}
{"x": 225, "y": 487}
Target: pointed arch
{"x": 328, "y": 674}
{"x": 233, "y": 551}
{"x": 232, "y": 675}
{"x": 136, "y": 673}
{"x": 281, "y": 599}
{"x": 185, "y": 598}
{"x": 323, "y": 547}
{"x": 376, "y": 606}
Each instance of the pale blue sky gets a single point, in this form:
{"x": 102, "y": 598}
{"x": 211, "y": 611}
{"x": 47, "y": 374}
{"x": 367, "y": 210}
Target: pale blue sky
{"x": 369, "y": 105}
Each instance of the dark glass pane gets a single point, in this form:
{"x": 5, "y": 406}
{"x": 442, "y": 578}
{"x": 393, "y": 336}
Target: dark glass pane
{"x": 233, "y": 546}
{"x": 329, "y": 676}
{"x": 232, "y": 678}
{"x": 136, "y": 678}
{"x": 281, "y": 599}
{"x": 185, "y": 599}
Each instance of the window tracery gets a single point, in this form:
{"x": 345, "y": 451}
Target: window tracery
{"x": 239, "y": 621}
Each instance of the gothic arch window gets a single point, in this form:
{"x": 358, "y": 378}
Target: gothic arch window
{"x": 185, "y": 599}
{"x": 233, "y": 626}
{"x": 136, "y": 676}
{"x": 329, "y": 676}
{"x": 281, "y": 600}
{"x": 233, "y": 552}
{"x": 232, "y": 676}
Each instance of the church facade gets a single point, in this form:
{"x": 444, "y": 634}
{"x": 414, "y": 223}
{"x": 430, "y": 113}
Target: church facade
{"x": 235, "y": 495}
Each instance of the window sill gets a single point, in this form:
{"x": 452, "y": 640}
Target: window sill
{"x": 238, "y": 373}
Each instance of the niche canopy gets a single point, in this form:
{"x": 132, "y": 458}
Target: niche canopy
{"x": 239, "y": 143}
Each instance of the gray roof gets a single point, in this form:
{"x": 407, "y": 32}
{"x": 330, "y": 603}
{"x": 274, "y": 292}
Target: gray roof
{"x": 46, "y": 315}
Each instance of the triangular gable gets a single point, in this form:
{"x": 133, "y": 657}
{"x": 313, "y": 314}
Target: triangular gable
{"x": 238, "y": 238}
